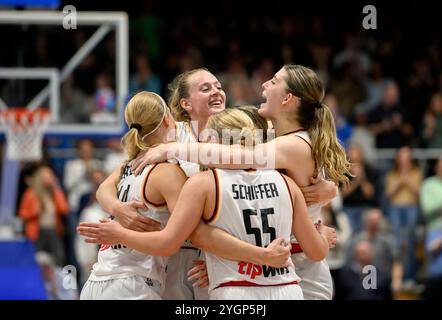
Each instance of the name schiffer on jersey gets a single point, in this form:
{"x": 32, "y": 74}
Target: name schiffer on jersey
{"x": 256, "y": 207}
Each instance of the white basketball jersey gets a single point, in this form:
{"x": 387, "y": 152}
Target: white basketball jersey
{"x": 255, "y": 207}
{"x": 118, "y": 261}
{"x": 184, "y": 134}
{"x": 316, "y": 281}
{"x": 314, "y": 211}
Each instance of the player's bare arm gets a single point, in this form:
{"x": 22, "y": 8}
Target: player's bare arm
{"x": 314, "y": 245}
{"x": 125, "y": 212}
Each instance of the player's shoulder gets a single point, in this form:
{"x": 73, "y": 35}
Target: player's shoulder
{"x": 166, "y": 170}
{"x": 293, "y": 143}
{"x": 202, "y": 177}
{"x": 201, "y": 181}
{"x": 292, "y": 147}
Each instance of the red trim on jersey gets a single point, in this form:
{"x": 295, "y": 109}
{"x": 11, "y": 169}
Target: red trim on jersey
{"x": 144, "y": 189}
{"x": 294, "y": 131}
{"x": 252, "y": 284}
{"x": 217, "y": 198}
{"x": 309, "y": 144}
{"x": 296, "y": 248}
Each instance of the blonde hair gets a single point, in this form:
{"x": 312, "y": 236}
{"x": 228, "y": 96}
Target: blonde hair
{"x": 233, "y": 119}
{"x": 260, "y": 122}
{"x": 179, "y": 89}
{"x": 144, "y": 114}
{"x": 317, "y": 118}
{"x": 37, "y": 184}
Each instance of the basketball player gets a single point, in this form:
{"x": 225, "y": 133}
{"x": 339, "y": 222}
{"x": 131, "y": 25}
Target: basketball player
{"x": 194, "y": 96}
{"x": 255, "y": 206}
{"x": 306, "y": 146}
{"x": 121, "y": 272}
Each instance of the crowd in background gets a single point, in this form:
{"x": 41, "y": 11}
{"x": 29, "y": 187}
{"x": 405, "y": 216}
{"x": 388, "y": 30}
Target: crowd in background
{"x": 384, "y": 86}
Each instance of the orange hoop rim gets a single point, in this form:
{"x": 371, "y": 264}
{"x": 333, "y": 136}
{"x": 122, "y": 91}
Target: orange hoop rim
{"x": 20, "y": 112}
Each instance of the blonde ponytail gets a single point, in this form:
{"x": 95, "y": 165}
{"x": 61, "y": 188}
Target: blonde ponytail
{"x": 143, "y": 114}
{"x": 317, "y": 118}
{"x": 326, "y": 149}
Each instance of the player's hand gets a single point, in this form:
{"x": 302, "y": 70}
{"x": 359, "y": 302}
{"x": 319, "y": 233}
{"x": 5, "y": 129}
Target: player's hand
{"x": 329, "y": 234}
{"x": 320, "y": 191}
{"x": 128, "y": 216}
{"x": 103, "y": 232}
{"x": 153, "y": 155}
{"x": 277, "y": 254}
{"x": 199, "y": 274}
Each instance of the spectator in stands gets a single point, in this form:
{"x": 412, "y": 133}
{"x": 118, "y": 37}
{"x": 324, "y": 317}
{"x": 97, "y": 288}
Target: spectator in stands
{"x": 25, "y": 180}
{"x": 343, "y": 127}
{"x": 363, "y": 137}
{"x": 431, "y": 199}
{"x": 348, "y": 90}
{"x": 86, "y": 254}
{"x": 431, "y": 204}
{"x": 104, "y": 101}
{"x": 402, "y": 189}
{"x": 144, "y": 78}
{"x": 41, "y": 208}
{"x": 433, "y": 288}
{"x": 73, "y": 105}
{"x": 375, "y": 87}
{"x": 431, "y": 135}
{"x": 115, "y": 156}
{"x": 360, "y": 193}
{"x": 77, "y": 173}
{"x": 353, "y": 54}
{"x": 386, "y": 257}
{"x": 362, "y": 283}
{"x": 387, "y": 120}
{"x": 418, "y": 90}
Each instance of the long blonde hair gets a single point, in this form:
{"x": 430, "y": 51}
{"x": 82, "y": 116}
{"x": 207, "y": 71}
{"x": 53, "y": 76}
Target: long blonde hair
{"x": 37, "y": 184}
{"x": 317, "y": 118}
{"x": 233, "y": 119}
{"x": 179, "y": 89}
{"x": 144, "y": 114}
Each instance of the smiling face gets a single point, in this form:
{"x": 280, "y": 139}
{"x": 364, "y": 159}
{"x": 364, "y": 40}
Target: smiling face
{"x": 206, "y": 96}
{"x": 274, "y": 92}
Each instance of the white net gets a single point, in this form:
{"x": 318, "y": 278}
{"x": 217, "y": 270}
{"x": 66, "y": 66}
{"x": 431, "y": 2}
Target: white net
{"x": 24, "y": 133}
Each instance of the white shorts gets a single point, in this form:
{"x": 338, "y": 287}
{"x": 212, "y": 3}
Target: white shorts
{"x": 287, "y": 292}
{"x": 130, "y": 288}
{"x": 316, "y": 280}
{"x": 177, "y": 286}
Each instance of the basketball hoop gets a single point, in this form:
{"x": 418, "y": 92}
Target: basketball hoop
{"x": 24, "y": 132}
